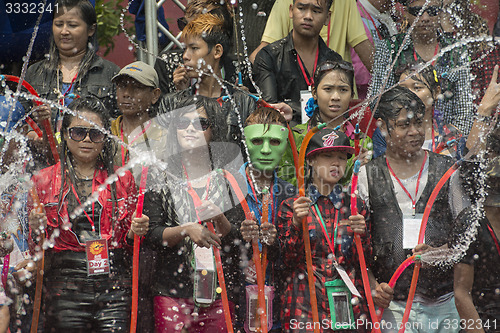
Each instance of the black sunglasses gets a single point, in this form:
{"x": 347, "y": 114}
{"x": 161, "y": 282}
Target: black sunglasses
{"x": 332, "y": 65}
{"x": 80, "y": 133}
{"x": 199, "y": 124}
{"x": 431, "y": 10}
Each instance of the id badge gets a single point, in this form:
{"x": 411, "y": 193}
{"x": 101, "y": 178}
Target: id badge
{"x": 411, "y": 229}
{"x": 97, "y": 257}
{"x": 205, "y": 276}
{"x": 304, "y": 97}
{"x": 347, "y": 280}
{"x": 341, "y": 311}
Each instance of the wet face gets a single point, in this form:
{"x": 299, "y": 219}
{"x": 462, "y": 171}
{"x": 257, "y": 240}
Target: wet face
{"x": 266, "y": 145}
{"x": 84, "y": 151}
{"x": 133, "y": 97}
{"x": 416, "y": 84}
{"x": 198, "y": 55}
{"x": 193, "y": 130}
{"x": 71, "y": 33}
{"x": 328, "y": 167}
{"x": 406, "y": 133}
{"x": 428, "y": 23}
{"x": 309, "y": 17}
{"x": 333, "y": 95}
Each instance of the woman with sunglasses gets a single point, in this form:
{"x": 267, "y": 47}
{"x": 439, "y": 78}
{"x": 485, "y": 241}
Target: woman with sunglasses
{"x": 425, "y": 42}
{"x": 187, "y": 290}
{"x": 87, "y": 265}
{"x": 332, "y": 92}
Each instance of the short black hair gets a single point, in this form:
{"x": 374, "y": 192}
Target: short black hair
{"x": 399, "y": 98}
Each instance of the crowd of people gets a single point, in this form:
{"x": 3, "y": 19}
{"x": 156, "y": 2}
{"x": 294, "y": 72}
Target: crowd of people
{"x": 287, "y": 192}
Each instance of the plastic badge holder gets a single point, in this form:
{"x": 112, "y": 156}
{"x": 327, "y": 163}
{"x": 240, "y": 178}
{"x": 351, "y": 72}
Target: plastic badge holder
{"x": 204, "y": 286}
{"x": 252, "y": 322}
{"x": 339, "y": 298}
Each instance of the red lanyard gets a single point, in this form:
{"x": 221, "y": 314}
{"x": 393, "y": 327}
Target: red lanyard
{"x": 494, "y": 239}
{"x": 124, "y": 151}
{"x": 413, "y": 199}
{"x": 325, "y": 232}
{"x": 194, "y": 195}
{"x": 271, "y": 210}
{"x": 309, "y": 82}
{"x": 68, "y": 90}
{"x": 91, "y": 220}
{"x": 435, "y": 53}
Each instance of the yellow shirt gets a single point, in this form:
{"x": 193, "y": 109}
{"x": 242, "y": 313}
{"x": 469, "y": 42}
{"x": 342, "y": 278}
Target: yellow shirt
{"x": 346, "y": 27}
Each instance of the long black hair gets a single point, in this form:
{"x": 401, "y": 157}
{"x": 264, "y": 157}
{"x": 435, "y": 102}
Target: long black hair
{"x": 89, "y": 16}
{"x": 105, "y": 158}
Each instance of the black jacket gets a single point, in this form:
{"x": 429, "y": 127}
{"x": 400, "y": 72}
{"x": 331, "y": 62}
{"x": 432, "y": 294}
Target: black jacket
{"x": 96, "y": 82}
{"x": 387, "y": 228}
{"x": 278, "y": 75}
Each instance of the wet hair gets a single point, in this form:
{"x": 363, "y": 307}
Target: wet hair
{"x": 215, "y": 7}
{"x": 399, "y": 98}
{"x": 211, "y": 28}
{"x": 105, "y": 158}
{"x": 89, "y": 16}
{"x": 426, "y": 75}
{"x": 341, "y": 66}
{"x": 265, "y": 116}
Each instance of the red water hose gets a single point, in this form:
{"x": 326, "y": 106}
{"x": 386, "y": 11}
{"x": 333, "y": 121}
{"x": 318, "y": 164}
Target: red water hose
{"x": 359, "y": 246}
{"x": 137, "y": 247}
{"x": 305, "y": 228}
{"x": 255, "y": 249}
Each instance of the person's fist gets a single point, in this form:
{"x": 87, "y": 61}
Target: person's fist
{"x": 300, "y": 210}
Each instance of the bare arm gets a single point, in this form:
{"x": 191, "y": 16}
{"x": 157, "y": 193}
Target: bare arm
{"x": 254, "y": 53}
{"x": 5, "y": 317}
{"x": 365, "y": 50}
{"x": 463, "y": 281}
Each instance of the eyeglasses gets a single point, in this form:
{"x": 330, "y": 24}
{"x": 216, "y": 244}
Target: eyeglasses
{"x": 80, "y": 133}
{"x": 199, "y": 124}
{"x": 431, "y": 10}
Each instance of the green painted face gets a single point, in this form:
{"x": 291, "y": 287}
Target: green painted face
{"x": 266, "y": 147}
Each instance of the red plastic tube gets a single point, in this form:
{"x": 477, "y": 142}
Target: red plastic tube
{"x": 421, "y": 237}
{"x": 32, "y": 90}
{"x": 255, "y": 249}
{"x": 222, "y": 283}
{"x": 359, "y": 246}
{"x": 137, "y": 247}
{"x": 305, "y": 229}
